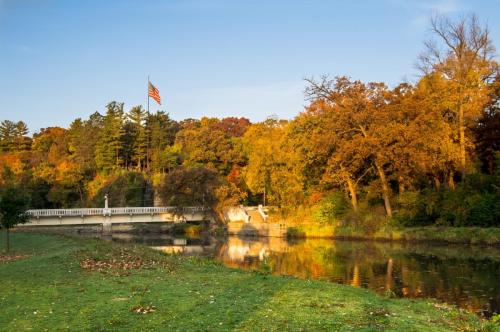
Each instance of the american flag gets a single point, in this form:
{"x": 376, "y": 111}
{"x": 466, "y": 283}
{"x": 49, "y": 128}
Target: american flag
{"x": 154, "y": 93}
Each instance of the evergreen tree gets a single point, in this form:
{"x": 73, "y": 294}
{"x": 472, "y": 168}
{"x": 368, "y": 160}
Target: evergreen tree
{"x": 137, "y": 117}
{"x": 7, "y": 134}
{"x": 83, "y": 138}
{"x": 108, "y": 148}
{"x": 160, "y": 133}
{"x": 21, "y": 141}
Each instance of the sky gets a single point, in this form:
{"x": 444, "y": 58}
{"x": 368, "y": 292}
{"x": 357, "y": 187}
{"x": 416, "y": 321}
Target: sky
{"x": 61, "y": 60}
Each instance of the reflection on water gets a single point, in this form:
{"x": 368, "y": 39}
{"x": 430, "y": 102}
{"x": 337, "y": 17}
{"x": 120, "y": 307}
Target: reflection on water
{"x": 462, "y": 275}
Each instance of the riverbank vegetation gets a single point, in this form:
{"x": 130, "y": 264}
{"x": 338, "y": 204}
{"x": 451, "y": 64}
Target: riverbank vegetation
{"x": 93, "y": 285}
{"x": 361, "y": 155}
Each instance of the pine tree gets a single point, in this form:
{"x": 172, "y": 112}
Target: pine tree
{"x": 160, "y": 133}
{"x": 83, "y": 138}
{"x": 20, "y": 140}
{"x": 137, "y": 117}
{"x": 7, "y": 134}
{"x": 108, "y": 149}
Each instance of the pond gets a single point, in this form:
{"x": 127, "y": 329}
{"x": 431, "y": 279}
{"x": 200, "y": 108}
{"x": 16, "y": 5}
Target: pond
{"x": 467, "y": 276}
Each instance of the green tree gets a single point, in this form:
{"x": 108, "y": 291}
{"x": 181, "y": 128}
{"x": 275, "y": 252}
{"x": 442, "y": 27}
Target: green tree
{"x": 7, "y": 134}
{"x": 137, "y": 117}
{"x": 21, "y": 141}
{"x": 13, "y": 205}
{"x": 160, "y": 133}
{"x": 83, "y": 138}
{"x": 108, "y": 154}
{"x": 190, "y": 187}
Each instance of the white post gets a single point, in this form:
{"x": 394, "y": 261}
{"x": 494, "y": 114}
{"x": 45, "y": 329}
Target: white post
{"x": 106, "y": 210}
{"x": 106, "y": 225}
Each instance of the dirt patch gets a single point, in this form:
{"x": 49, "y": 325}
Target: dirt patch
{"x": 5, "y": 258}
{"x": 139, "y": 309}
{"x": 121, "y": 258}
{"x": 123, "y": 262}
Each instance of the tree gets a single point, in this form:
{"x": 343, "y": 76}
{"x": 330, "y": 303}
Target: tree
{"x": 465, "y": 59}
{"x": 108, "y": 149}
{"x": 190, "y": 187}
{"x": 234, "y": 127}
{"x": 160, "y": 133}
{"x": 7, "y": 134}
{"x": 54, "y": 165}
{"x": 83, "y": 138}
{"x": 137, "y": 117}
{"x": 271, "y": 170}
{"x": 21, "y": 141}
{"x": 210, "y": 145}
{"x": 356, "y": 112}
{"x": 13, "y": 205}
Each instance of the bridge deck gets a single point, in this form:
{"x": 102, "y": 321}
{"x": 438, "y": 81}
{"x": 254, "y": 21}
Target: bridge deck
{"x": 47, "y": 213}
{"x": 119, "y": 215}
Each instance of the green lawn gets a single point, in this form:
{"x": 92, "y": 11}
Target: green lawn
{"x": 49, "y": 290}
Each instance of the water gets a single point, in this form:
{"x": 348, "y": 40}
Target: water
{"x": 466, "y": 276}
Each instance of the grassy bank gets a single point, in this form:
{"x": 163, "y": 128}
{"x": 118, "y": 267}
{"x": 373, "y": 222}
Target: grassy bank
{"x": 85, "y": 284}
{"x": 461, "y": 235}
{"x": 465, "y": 235}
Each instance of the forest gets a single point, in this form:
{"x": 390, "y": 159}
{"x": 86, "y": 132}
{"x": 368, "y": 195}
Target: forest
{"x": 420, "y": 153}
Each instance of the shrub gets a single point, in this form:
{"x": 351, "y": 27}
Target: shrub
{"x": 475, "y": 202}
{"x": 124, "y": 189}
{"x": 331, "y": 207}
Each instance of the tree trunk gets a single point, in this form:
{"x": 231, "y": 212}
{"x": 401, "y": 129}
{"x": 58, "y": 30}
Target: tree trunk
{"x": 437, "y": 183}
{"x": 401, "y": 184}
{"x": 461, "y": 124}
{"x": 451, "y": 182}
{"x": 8, "y": 240}
{"x": 388, "y": 275}
{"x": 354, "y": 197}
{"x": 385, "y": 189}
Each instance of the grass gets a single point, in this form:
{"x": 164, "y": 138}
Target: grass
{"x": 462, "y": 235}
{"x": 51, "y": 290}
{"x": 374, "y": 225}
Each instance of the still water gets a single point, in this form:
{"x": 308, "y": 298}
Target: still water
{"x": 467, "y": 276}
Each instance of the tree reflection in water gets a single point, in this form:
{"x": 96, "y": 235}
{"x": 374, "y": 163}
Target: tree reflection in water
{"x": 462, "y": 275}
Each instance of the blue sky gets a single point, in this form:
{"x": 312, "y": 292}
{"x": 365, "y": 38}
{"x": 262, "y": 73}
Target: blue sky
{"x": 60, "y": 60}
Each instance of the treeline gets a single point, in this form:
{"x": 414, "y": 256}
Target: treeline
{"x": 423, "y": 153}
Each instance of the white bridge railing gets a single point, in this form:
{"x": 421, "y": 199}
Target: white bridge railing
{"x": 112, "y": 211}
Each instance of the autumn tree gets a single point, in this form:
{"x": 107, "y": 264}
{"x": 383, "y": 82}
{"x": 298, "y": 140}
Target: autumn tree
{"x": 209, "y": 144}
{"x": 271, "y": 170}
{"x": 487, "y": 131}
{"x": 464, "y": 57}
{"x": 356, "y": 113}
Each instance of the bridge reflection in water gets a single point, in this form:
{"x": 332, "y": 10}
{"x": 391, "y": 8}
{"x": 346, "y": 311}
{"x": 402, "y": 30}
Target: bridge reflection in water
{"x": 465, "y": 276}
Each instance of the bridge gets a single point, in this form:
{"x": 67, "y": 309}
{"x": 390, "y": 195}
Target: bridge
{"x": 109, "y": 216}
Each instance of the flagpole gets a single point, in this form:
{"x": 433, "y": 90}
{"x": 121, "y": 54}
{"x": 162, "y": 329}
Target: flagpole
{"x": 148, "y": 94}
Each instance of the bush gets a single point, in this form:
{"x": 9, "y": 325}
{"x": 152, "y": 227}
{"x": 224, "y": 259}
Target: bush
{"x": 331, "y": 207}
{"x": 125, "y": 189}
{"x": 475, "y": 202}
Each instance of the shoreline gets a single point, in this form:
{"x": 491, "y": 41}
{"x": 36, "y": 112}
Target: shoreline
{"x": 430, "y": 234}
{"x": 188, "y": 293}
{"x": 475, "y": 236}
